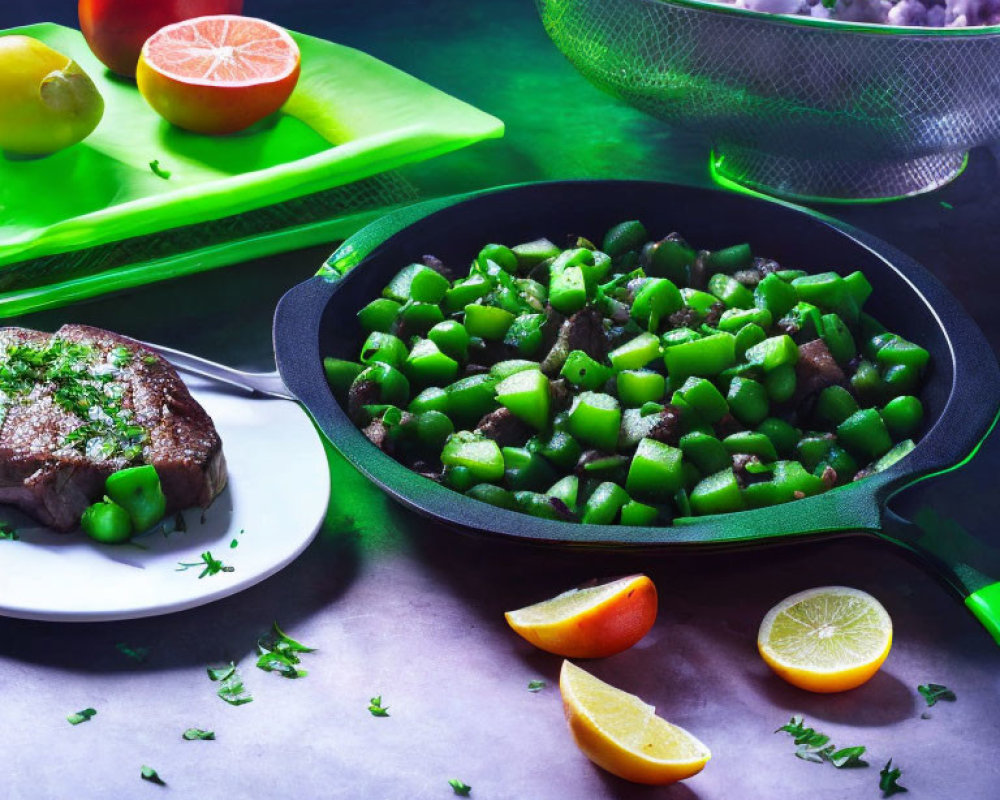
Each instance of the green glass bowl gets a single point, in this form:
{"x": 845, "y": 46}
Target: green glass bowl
{"x": 791, "y": 105}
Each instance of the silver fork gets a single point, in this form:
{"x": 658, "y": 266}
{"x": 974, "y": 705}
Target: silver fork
{"x": 261, "y": 384}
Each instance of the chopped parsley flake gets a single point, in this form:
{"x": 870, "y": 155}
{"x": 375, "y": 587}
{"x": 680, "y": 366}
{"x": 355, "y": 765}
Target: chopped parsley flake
{"x": 887, "y": 778}
{"x": 159, "y": 171}
{"x": 149, "y": 774}
{"x": 536, "y": 686}
{"x": 197, "y": 734}
{"x": 212, "y": 565}
{"x": 234, "y": 543}
{"x": 459, "y": 788}
{"x": 231, "y": 688}
{"x": 278, "y": 653}
{"x": 932, "y": 692}
{"x": 7, "y": 532}
{"x": 817, "y": 747}
{"x": 81, "y": 716}
{"x": 376, "y": 709}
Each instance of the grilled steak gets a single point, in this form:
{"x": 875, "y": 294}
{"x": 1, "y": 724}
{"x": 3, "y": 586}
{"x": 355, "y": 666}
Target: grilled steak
{"x": 82, "y": 403}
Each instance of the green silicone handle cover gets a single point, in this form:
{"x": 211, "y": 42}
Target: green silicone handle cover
{"x": 985, "y": 604}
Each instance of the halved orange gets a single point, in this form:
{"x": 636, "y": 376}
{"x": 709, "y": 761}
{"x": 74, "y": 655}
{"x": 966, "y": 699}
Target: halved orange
{"x": 621, "y": 733}
{"x": 218, "y": 74}
{"x": 593, "y": 622}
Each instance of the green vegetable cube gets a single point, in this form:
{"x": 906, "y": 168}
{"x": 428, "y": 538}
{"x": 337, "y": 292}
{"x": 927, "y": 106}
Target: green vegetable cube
{"x": 470, "y": 398}
{"x": 566, "y": 489}
{"x": 773, "y": 352}
{"x": 479, "y": 455}
{"x": 594, "y": 419}
{"x": 655, "y": 472}
{"x": 383, "y": 347}
{"x": 834, "y": 405}
{"x": 704, "y": 398}
{"x": 568, "y": 290}
{"x": 487, "y": 322}
{"x": 452, "y": 338}
{"x": 903, "y": 415}
{"x": 138, "y": 491}
{"x": 494, "y": 495}
{"x": 502, "y": 256}
{"x": 670, "y": 258}
{"x": 379, "y": 314}
{"x": 466, "y": 292}
{"x": 755, "y": 444}
{"x": 638, "y": 514}
{"x": 636, "y": 387}
{"x": 658, "y": 298}
{"x": 531, "y": 254}
{"x": 624, "y": 236}
{"x": 864, "y": 434}
{"x": 635, "y": 354}
{"x": 705, "y": 451}
{"x": 706, "y": 356}
{"x": 583, "y": 371}
{"x": 526, "y": 394}
{"x": 428, "y": 286}
{"x": 730, "y": 291}
{"x": 733, "y": 319}
{"x": 698, "y": 300}
{"x": 604, "y": 504}
{"x": 418, "y": 318}
{"x": 783, "y": 436}
{"x": 775, "y": 295}
{"x": 340, "y": 374}
{"x": 525, "y": 333}
{"x": 747, "y": 400}
{"x": 717, "y": 494}
{"x": 426, "y": 364}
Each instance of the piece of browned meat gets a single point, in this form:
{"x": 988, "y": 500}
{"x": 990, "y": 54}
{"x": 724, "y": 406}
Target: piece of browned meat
{"x": 58, "y": 445}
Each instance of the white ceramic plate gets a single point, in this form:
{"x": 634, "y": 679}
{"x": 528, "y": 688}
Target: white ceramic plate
{"x": 275, "y": 502}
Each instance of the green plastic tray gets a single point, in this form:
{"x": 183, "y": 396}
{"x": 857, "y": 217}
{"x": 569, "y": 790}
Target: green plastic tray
{"x": 95, "y": 218}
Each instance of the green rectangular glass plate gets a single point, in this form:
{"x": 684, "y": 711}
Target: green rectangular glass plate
{"x": 95, "y": 217}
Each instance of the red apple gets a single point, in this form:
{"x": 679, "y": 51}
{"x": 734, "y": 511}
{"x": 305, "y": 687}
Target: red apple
{"x": 117, "y": 29}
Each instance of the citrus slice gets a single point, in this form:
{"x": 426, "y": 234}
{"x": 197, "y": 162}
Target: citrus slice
{"x": 826, "y": 640}
{"x": 218, "y": 74}
{"x": 593, "y": 622}
{"x": 622, "y": 734}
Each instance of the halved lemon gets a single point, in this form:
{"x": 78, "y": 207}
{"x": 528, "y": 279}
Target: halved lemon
{"x": 593, "y": 622}
{"x": 826, "y": 640}
{"x": 622, "y": 734}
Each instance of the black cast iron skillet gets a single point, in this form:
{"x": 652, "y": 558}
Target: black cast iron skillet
{"x": 317, "y": 318}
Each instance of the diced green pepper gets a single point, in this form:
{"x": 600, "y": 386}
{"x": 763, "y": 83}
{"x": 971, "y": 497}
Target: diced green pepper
{"x": 583, "y": 371}
{"x": 479, "y": 455}
{"x": 494, "y": 495}
{"x": 841, "y": 462}
{"x": 624, "y": 236}
{"x": 107, "y": 522}
{"x": 706, "y": 452}
{"x": 524, "y": 469}
{"x": 811, "y": 450}
{"x": 488, "y": 322}
{"x": 470, "y": 398}
{"x": 730, "y": 291}
{"x": 901, "y": 379}
{"x": 783, "y": 436}
{"x": 902, "y": 449}
{"x": 773, "y": 352}
{"x": 636, "y": 353}
{"x": 526, "y": 394}
{"x": 594, "y": 419}
{"x": 733, "y": 319}
{"x": 400, "y": 288}
{"x": 340, "y": 374}
{"x": 704, "y": 398}
{"x": 747, "y": 400}
{"x": 426, "y": 364}
{"x": 466, "y": 292}
{"x": 452, "y": 339}
{"x": 568, "y": 290}
{"x": 636, "y": 387}
{"x": 903, "y": 416}
{"x": 433, "y": 398}
{"x": 525, "y": 333}
{"x": 638, "y": 514}
{"x": 561, "y": 449}
{"x": 834, "y": 405}
{"x": 729, "y": 259}
{"x": 858, "y": 288}
{"x": 383, "y": 347}
{"x": 504, "y": 369}
{"x": 566, "y": 489}
{"x": 417, "y": 318}
{"x": 700, "y": 301}
{"x": 502, "y": 256}
{"x": 838, "y": 338}
{"x": 670, "y": 259}
{"x": 755, "y": 444}
{"x": 717, "y": 494}
{"x": 138, "y": 491}
{"x": 393, "y": 386}
{"x": 379, "y": 314}
{"x": 864, "y": 434}
{"x": 747, "y": 337}
{"x": 531, "y": 254}
{"x": 655, "y": 472}
{"x": 867, "y": 384}
{"x": 707, "y": 356}
{"x": 657, "y": 299}
{"x": 780, "y": 383}
{"x": 775, "y": 295}
{"x": 604, "y": 504}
